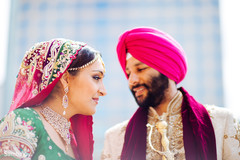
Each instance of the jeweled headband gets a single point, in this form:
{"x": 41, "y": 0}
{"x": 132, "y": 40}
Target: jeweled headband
{"x": 97, "y": 56}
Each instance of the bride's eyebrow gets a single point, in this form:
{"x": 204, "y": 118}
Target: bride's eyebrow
{"x": 99, "y": 71}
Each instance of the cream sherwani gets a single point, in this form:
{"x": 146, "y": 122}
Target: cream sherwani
{"x": 227, "y": 133}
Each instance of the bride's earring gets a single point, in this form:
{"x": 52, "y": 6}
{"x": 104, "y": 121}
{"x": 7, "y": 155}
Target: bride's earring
{"x": 65, "y": 100}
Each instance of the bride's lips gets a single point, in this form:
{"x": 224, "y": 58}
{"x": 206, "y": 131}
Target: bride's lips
{"x": 138, "y": 91}
{"x": 96, "y": 100}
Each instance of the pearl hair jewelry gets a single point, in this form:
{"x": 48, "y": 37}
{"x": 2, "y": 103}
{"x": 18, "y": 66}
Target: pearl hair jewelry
{"x": 87, "y": 64}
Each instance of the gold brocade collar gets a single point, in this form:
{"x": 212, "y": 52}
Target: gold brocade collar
{"x": 174, "y": 107}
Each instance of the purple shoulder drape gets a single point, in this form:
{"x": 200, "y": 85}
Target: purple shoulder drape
{"x": 135, "y": 137}
{"x": 198, "y": 133}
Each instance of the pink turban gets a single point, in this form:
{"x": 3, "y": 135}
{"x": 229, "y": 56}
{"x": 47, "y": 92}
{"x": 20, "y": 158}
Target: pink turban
{"x": 154, "y": 48}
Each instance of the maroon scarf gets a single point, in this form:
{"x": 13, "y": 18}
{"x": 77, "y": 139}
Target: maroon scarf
{"x": 198, "y": 132}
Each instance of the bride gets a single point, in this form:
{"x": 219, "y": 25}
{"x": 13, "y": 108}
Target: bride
{"x": 57, "y": 89}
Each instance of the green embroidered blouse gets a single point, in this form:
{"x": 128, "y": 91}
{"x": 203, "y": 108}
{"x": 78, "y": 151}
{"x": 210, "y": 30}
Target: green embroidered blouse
{"x": 23, "y": 136}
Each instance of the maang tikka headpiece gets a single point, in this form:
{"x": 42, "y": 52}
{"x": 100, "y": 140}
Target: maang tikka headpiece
{"x": 97, "y": 56}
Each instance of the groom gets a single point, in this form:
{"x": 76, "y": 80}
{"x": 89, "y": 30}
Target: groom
{"x": 169, "y": 123}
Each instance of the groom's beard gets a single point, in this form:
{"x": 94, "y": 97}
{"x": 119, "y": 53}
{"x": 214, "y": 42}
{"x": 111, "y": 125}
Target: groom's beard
{"x": 156, "y": 88}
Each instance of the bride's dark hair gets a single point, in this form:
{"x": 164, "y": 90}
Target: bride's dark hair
{"x": 84, "y": 56}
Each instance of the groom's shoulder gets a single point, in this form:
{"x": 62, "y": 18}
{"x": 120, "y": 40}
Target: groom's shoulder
{"x": 118, "y": 129}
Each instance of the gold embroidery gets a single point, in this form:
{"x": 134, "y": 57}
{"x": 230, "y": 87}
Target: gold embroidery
{"x": 174, "y": 131}
{"x": 105, "y": 156}
{"x": 123, "y": 129}
{"x": 237, "y": 136}
{"x": 7, "y": 126}
{"x": 17, "y": 137}
{"x": 209, "y": 110}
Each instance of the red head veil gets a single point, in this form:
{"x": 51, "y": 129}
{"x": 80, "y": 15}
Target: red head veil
{"x": 42, "y": 67}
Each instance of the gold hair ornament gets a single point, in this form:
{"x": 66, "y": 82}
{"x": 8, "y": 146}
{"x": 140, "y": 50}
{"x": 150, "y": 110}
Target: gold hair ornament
{"x": 87, "y": 64}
